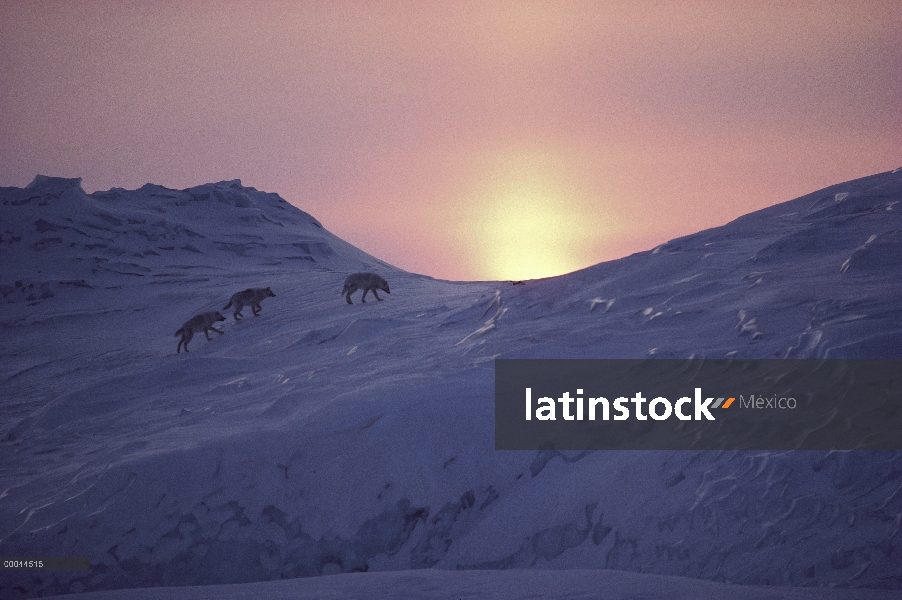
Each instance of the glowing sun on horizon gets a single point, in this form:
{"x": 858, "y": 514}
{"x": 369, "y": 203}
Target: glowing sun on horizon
{"x": 526, "y": 222}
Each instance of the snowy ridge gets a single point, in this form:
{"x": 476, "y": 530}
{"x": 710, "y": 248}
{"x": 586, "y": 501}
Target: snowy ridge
{"x": 54, "y": 226}
{"x": 321, "y": 438}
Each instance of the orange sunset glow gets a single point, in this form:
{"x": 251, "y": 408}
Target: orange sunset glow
{"x": 462, "y": 140}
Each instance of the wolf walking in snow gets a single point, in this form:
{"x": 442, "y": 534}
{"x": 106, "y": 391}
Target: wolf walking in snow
{"x": 249, "y": 297}
{"x": 202, "y": 322}
{"x": 366, "y": 282}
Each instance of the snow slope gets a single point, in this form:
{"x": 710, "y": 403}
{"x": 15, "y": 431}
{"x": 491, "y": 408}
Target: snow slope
{"x": 322, "y": 438}
{"x": 512, "y": 584}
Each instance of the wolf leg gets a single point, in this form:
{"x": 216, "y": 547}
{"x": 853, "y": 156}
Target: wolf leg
{"x": 377, "y": 295}
{"x": 186, "y": 337}
{"x": 216, "y": 330}
{"x": 256, "y": 308}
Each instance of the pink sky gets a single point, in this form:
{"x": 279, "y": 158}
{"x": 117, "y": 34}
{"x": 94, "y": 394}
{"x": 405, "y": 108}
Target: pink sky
{"x": 463, "y": 140}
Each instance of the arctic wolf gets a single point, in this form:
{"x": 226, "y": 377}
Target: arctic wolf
{"x": 366, "y": 282}
{"x": 250, "y": 297}
{"x": 202, "y": 322}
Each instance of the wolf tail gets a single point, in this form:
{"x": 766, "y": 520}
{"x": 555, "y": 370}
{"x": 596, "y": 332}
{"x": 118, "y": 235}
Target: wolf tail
{"x": 227, "y": 305}
{"x": 179, "y": 332}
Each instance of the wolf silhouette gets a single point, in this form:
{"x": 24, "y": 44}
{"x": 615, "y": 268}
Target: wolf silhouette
{"x": 368, "y": 282}
{"x": 250, "y": 297}
{"x": 202, "y": 322}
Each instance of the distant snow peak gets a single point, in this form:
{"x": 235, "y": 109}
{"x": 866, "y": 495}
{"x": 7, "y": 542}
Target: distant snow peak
{"x": 55, "y": 184}
{"x": 53, "y": 232}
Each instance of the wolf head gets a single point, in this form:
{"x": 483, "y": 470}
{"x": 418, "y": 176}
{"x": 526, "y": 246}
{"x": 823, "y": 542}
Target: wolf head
{"x": 269, "y": 293}
{"x": 218, "y": 317}
{"x": 383, "y": 285}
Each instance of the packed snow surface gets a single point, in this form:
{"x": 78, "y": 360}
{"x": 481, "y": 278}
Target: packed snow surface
{"x": 512, "y": 584}
{"x": 321, "y": 438}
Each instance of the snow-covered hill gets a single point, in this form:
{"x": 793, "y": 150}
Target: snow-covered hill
{"x": 321, "y": 438}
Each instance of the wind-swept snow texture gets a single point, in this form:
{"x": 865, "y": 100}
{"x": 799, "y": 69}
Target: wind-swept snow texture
{"x": 320, "y": 438}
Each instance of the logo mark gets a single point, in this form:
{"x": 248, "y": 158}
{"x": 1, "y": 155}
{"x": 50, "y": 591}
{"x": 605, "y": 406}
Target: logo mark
{"x": 727, "y": 404}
